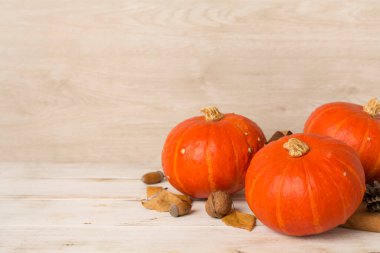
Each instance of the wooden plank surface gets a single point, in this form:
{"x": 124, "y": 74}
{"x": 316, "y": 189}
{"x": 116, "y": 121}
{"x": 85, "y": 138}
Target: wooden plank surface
{"x": 90, "y": 89}
{"x": 86, "y": 222}
{"x": 46, "y": 181}
{"x": 177, "y": 239}
{"x": 105, "y": 81}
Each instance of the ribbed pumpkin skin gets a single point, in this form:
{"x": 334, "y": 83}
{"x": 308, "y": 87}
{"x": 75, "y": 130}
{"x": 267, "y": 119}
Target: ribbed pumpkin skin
{"x": 309, "y": 194}
{"x": 202, "y": 156}
{"x": 349, "y": 123}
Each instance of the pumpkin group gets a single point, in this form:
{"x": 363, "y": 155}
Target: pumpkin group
{"x": 205, "y": 154}
{"x": 304, "y": 184}
{"x": 356, "y": 125}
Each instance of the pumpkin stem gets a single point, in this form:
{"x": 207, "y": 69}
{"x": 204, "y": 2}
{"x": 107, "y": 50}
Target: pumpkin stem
{"x": 296, "y": 147}
{"x": 212, "y": 113}
{"x": 372, "y": 107}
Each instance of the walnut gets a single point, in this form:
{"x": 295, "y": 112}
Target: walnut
{"x": 218, "y": 204}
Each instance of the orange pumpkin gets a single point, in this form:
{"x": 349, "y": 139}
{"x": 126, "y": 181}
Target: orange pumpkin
{"x": 205, "y": 154}
{"x": 356, "y": 125}
{"x": 304, "y": 184}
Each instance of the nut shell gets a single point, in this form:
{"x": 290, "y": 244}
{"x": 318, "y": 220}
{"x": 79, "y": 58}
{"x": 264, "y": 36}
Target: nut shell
{"x": 153, "y": 177}
{"x": 218, "y": 204}
{"x": 180, "y": 209}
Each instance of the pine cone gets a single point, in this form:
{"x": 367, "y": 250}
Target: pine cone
{"x": 372, "y": 197}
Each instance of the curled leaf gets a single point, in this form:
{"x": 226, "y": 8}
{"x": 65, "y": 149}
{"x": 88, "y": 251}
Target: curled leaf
{"x": 161, "y": 200}
{"x": 151, "y": 190}
{"x": 240, "y": 220}
{"x": 185, "y": 198}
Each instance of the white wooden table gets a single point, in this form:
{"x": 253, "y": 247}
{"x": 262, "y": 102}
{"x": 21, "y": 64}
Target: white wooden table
{"x": 96, "y": 208}
{"x": 103, "y": 82}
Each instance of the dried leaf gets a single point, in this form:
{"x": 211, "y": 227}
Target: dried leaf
{"x": 162, "y": 200}
{"x": 185, "y": 198}
{"x": 240, "y": 220}
{"x": 364, "y": 220}
{"x": 287, "y": 132}
{"x": 279, "y": 134}
{"x": 151, "y": 190}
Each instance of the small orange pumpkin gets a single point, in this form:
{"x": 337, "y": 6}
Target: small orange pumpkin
{"x": 304, "y": 184}
{"x": 206, "y": 154}
{"x": 356, "y": 125}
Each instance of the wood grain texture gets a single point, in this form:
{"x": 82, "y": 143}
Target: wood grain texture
{"x": 84, "y": 222}
{"x": 74, "y": 182}
{"x": 178, "y": 239}
{"x": 105, "y": 81}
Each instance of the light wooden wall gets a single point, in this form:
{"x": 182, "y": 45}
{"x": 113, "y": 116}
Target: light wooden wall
{"x": 104, "y": 81}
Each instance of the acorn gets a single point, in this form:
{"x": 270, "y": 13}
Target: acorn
{"x": 218, "y": 204}
{"x": 153, "y": 177}
{"x": 180, "y": 209}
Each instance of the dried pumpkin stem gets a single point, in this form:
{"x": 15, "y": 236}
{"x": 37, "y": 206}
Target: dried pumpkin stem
{"x": 372, "y": 107}
{"x": 212, "y": 113}
{"x": 296, "y": 147}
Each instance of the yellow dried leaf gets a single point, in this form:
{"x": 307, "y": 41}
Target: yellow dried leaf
{"x": 240, "y": 220}
{"x": 185, "y": 198}
{"x": 161, "y": 201}
{"x": 151, "y": 190}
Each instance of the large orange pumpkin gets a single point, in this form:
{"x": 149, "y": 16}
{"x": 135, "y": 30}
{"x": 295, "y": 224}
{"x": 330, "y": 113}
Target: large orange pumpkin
{"x": 356, "y": 125}
{"x": 205, "y": 154}
{"x": 304, "y": 184}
